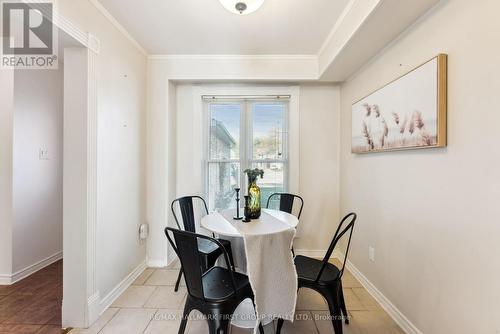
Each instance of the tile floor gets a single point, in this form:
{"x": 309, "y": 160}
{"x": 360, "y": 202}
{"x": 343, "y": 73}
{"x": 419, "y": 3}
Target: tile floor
{"x": 33, "y": 305}
{"x": 151, "y": 306}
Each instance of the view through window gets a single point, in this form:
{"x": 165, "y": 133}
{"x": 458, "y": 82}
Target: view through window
{"x": 246, "y": 134}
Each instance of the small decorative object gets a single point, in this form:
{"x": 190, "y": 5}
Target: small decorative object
{"x": 254, "y": 191}
{"x": 247, "y": 218}
{"x": 237, "y": 217}
{"x": 408, "y": 113}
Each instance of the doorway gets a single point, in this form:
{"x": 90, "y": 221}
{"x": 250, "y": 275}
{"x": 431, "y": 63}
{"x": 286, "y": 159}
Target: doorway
{"x": 51, "y": 200}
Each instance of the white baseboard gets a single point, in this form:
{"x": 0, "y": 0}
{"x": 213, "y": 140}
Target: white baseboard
{"x": 5, "y": 279}
{"x": 29, "y": 270}
{"x": 406, "y": 325}
{"x": 317, "y": 253}
{"x": 93, "y": 308}
{"x": 155, "y": 263}
{"x": 121, "y": 287}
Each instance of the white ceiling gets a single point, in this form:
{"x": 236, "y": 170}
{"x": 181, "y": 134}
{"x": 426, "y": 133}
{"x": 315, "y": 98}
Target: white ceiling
{"x": 291, "y": 27}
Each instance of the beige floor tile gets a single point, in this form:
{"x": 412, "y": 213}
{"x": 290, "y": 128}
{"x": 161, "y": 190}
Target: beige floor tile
{"x": 196, "y": 323}
{"x": 99, "y": 324}
{"x": 165, "y": 297}
{"x": 348, "y": 281}
{"x": 135, "y": 296}
{"x": 336, "y": 262}
{"x": 303, "y": 324}
{"x": 324, "y": 323}
{"x": 366, "y": 299}
{"x": 373, "y": 322}
{"x": 143, "y": 276}
{"x": 163, "y": 277}
{"x": 352, "y": 302}
{"x": 165, "y": 322}
{"x": 129, "y": 321}
{"x": 153, "y": 290}
{"x": 176, "y": 264}
{"x": 308, "y": 299}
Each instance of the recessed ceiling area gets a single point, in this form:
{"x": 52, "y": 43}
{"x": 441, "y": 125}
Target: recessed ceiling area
{"x": 179, "y": 27}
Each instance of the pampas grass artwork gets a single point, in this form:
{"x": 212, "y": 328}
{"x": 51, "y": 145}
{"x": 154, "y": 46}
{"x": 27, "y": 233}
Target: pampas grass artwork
{"x": 409, "y": 112}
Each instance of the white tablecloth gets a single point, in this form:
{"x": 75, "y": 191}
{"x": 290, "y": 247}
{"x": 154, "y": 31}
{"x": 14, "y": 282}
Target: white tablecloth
{"x": 262, "y": 250}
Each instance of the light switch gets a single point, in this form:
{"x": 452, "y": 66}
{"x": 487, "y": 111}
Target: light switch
{"x": 43, "y": 153}
{"x": 371, "y": 253}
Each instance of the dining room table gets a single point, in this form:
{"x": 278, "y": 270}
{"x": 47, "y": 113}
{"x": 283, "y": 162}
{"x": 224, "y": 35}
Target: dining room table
{"x": 271, "y": 222}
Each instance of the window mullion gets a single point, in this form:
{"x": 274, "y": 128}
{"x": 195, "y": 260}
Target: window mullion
{"x": 243, "y": 144}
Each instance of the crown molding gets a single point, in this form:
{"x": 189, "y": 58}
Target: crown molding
{"x": 336, "y": 26}
{"x": 232, "y": 57}
{"x": 118, "y": 26}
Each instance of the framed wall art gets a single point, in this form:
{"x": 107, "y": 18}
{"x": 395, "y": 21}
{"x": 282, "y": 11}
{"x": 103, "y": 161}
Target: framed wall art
{"x": 407, "y": 113}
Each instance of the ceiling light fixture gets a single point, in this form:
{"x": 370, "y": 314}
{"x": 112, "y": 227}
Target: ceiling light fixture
{"x": 242, "y": 7}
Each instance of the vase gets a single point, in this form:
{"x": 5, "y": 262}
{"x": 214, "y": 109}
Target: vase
{"x": 254, "y": 193}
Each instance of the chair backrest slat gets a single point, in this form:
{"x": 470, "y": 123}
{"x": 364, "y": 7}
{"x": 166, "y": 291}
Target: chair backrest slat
{"x": 286, "y": 202}
{"x": 341, "y": 231}
{"x": 186, "y": 207}
{"x": 186, "y": 247}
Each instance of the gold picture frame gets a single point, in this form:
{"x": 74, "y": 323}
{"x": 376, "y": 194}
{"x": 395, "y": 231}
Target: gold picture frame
{"x": 409, "y": 112}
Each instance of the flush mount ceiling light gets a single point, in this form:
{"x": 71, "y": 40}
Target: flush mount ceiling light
{"x": 241, "y": 7}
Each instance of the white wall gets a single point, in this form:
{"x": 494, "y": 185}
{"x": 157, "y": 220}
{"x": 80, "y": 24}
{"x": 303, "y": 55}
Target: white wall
{"x": 37, "y": 184}
{"x": 163, "y": 73}
{"x": 432, "y": 215}
{"x": 6, "y": 140}
{"x": 319, "y": 166}
{"x": 121, "y": 70}
{"x": 316, "y": 131}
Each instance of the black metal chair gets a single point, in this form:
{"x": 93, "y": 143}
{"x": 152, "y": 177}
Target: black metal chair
{"x": 286, "y": 202}
{"x": 326, "y": 278}
{"x": 209, "y": 252}
{"x": 217, "y": 292}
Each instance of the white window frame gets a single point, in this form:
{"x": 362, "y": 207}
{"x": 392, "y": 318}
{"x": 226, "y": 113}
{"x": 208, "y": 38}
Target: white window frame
{"x": 292, "y": 179}
{"x": 250, "y": 160}
{"x": 246, "y": 157}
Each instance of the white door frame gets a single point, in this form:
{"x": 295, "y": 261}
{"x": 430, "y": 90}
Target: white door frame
{"x": 80, "y": 294}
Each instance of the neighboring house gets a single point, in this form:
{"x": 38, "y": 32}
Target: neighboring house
{"x": 226, "y": 174}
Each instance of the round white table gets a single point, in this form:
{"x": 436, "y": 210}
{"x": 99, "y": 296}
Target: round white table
{"x": 221, "y": 223}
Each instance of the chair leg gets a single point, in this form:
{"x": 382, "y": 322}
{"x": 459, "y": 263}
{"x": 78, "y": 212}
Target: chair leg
{"x": 280, "y": 325}
{"x": 342, "y": 304}
{"x": 178, "y": 280}
{"x": 218, "y": 326}
{"x": 335, "y": 311}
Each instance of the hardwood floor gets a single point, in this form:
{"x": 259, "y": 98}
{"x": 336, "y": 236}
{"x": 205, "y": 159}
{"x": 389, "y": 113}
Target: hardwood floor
{"x": 151, "y": 306}
{"x": 33, "y": 305}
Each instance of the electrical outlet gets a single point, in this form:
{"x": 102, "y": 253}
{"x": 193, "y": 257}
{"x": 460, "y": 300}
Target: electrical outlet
{"x": 371, "y": 253}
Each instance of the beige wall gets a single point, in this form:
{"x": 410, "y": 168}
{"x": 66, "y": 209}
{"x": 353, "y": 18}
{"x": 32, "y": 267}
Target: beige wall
{"x": 319, "y": 166}
{"x": 432, "y": 215}
{"x": 121, "y": 75}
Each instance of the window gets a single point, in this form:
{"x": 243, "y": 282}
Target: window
{"x": 245, "y": 134}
